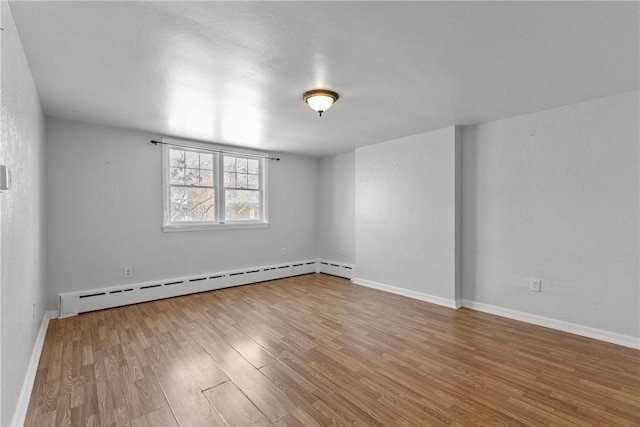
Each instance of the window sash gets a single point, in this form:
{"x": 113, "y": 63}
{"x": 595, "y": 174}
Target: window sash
{"x": 225, "y": 188}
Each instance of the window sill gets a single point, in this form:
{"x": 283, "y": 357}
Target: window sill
{"x": 173, "y": 228}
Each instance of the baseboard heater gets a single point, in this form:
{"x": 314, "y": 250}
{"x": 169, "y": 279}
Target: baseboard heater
{"x": 73, "y": 303}
{"x": 336, "y": 268}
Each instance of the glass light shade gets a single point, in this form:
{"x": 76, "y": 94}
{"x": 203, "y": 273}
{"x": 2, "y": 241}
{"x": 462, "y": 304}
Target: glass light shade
{"x": 320, "y": 102}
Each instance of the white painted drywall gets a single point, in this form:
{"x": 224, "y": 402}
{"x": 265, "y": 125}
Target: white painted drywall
{"x": 22, "y": 217}
{"x": 405, "y": 213}
{"x": 336, "y": 208}
{"x": 555, "y": 195}
{"x": 105, "y": 212}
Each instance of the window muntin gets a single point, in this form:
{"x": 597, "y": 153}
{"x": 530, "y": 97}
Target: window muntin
{"x": 205, "y": 189}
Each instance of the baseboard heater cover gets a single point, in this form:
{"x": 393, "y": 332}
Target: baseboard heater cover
{"x": 336, "y": 268}
{"x": 73, "y": 303}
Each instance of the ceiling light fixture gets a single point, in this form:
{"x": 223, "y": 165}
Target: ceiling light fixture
{"x": 320, "y": 100}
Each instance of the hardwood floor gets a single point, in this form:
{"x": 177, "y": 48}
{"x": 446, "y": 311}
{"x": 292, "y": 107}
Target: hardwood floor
{"x": 317, "y": 350}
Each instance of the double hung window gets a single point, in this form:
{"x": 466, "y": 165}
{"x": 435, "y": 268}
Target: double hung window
{"x": 205, "y": 189}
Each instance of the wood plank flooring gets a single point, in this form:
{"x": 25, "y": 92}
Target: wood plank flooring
{"x": 316, "y": 350}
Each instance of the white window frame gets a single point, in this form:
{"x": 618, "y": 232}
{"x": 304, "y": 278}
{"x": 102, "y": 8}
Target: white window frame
{"x": 218, "y": 152}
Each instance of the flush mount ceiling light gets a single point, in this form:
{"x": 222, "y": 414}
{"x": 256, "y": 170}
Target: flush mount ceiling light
{"x": 320, "y": 100}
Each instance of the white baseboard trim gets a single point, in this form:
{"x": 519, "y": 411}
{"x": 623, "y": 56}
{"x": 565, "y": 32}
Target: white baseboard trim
{"x": 335, "y": 268}
{"x": 560, "y": 325}
{"x": 450, "y": 303}
{"x": 27, "y": 386}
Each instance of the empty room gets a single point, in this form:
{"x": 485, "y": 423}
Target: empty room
{"x": 319, "y": 213}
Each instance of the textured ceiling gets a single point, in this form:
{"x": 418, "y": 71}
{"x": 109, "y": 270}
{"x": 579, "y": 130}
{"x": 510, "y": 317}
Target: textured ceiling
{"x": 234, "y": 72}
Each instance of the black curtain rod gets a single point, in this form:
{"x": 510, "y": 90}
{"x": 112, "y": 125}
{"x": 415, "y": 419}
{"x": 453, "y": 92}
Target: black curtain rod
{"x": 154, "y": 142}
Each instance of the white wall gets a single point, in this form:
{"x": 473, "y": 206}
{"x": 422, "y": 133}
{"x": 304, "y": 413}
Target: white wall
{"x": 105, "y": 212}
{"x": 406, "y": 213}
{"x": 555, "y": 195}
{"x": 21, "y": 217}
{"x": 336, "y": 208}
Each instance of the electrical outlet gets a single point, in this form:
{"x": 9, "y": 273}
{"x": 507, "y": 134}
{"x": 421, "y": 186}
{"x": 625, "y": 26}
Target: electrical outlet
{"x": 128, "y": 272}
{"x": 535, "y": 285}
{"x": 284, "y": 251}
